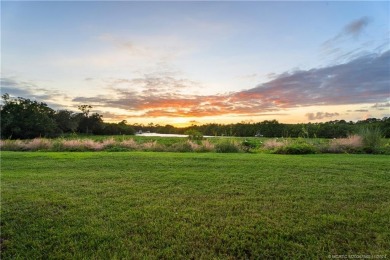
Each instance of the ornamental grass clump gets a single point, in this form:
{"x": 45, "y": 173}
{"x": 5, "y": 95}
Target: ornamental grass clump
{"x": 38, "y": 144}
{"x": 351, "y": 144}
{"x": 273, "y": 144}
{"x": 206, "y": 146}
{"x": 372, "y": 139}
{"x": 129, "y": 144}
{"x": 12, "y": 145}
{"x": 187, "y": 146}
{"x": 299, "y": 146}
{"x": 76, "y": 145}
{"x": 227, "y": 146}
{"x": 152, "y": 146}
{"x": 108, "y": 143}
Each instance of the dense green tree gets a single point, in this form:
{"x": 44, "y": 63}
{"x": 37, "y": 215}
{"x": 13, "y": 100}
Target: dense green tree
{"x": 23, "y": 118}
{"x": 67, "y": 121}
{"x": 90, "y": 124}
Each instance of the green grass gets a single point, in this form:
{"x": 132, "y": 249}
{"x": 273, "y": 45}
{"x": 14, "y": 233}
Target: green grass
{"x": 141, "y": 205}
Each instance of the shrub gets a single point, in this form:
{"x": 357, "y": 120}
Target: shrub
{"x": 187, "y": 146}
{"x": 372, "y": 138}
{"x": 299, "y": 146}
{"x": 247, "y": 145}
{"x": 194, "y": 134}
{"x": 227, "y": 146}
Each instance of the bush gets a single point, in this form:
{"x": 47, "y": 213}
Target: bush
{"x": 194, "y": 135}
{"x": 184, "y": 147}
{"x": 227, "y": 146}
{"x": 247, "y": 145}
{"x": 372, "y": 138}
{"x": 299, "y": 146}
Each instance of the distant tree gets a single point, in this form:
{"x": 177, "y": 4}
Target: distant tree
{"x": 67, "y": 121}
{"x": 85, "y": 109}
{"x": 89, "y": 123}
{"x": 120, "y": 128}
{"x": 194, "y": 134}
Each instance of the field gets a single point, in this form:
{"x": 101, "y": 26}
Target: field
{"x": 142, "y": 205}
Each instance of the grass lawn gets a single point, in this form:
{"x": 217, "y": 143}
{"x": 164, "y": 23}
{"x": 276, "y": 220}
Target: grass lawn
{"x": 101, "y": 205}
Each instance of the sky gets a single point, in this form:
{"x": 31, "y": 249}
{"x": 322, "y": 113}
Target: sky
{"x": 199, "y": 62}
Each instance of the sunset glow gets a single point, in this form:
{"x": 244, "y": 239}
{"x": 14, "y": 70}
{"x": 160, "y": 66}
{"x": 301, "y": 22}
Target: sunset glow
{"x": 184, "y": 63}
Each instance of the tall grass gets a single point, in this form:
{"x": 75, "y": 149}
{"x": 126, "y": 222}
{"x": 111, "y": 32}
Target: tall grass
{"x": 372, "y": 138}
{"x": 352, "y": 143}
{"x": 272, "y": 144}
{"x": 227, "y": 146}
{"x": 370, "y": 141}
{"x": 298, "y": 146}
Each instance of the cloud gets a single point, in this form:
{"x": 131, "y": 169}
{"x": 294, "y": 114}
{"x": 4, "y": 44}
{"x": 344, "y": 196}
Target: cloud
{"x": 382, "y": 106}
{"x": 320, "y": 115}
{"x": 363, "y": 80}
{"x": 334, "y": 47}
{"x": 356, "y": 27}
{"x": 351, "y": 30}
{"x": 30, "y": 90}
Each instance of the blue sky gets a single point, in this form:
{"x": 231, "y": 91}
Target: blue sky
{"x": 183, "y": 62}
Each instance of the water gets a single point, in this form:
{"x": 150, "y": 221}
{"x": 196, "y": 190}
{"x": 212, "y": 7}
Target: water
{"x": 165, "y": 135}
{"x": 161, "y": 135}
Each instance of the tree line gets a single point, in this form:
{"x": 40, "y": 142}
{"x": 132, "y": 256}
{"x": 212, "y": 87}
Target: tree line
{"x": 23, "y": 118}
{"x": 272, "y": 128}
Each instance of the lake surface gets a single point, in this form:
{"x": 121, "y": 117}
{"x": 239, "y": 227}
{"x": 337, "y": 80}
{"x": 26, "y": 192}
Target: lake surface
{"x": 165, "y": 135}
{"x": 161, "y": 135}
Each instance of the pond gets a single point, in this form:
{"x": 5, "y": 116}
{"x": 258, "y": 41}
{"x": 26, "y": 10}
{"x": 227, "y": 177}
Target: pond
{"x": 165, "y": 135}
{"x": 161, "y": 135}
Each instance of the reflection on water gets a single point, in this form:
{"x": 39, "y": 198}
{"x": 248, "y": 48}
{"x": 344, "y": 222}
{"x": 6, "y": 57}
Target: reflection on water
{"x": 164, "y": 135}
{"x": 161, "y": 135}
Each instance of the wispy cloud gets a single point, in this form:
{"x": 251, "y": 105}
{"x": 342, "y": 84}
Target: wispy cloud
{"x": 356, "y": 27}
{"x": 350, "y": 33}
{"x": 320, "y": 115}
{"x": 31, "y": 90}
{"x": 382, "y": 106}
{"x": 363, "y": 80}
{"x": 351, "y": 30}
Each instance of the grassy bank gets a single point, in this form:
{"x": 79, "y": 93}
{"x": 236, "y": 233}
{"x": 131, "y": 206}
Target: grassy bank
{"x": 352, "y": 144}
{"x": 100, "y": 205}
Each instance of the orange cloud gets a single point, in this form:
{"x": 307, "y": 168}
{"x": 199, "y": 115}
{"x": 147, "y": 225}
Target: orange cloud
{"x": 363, "y": 80}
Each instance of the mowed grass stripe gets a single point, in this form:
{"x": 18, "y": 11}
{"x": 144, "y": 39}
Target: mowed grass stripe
{"x": 182, "y": 205}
